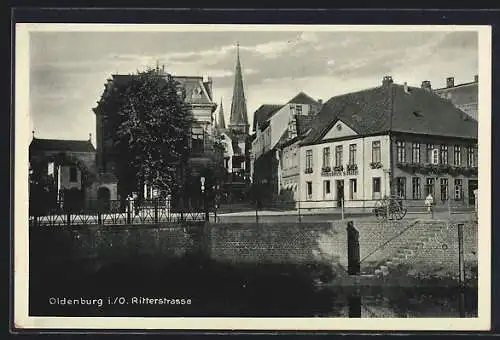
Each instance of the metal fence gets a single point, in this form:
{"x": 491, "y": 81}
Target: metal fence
{"x": 158, "y": 210}
{"x": 113, "y": 212}
{"x": 340, "y": 209}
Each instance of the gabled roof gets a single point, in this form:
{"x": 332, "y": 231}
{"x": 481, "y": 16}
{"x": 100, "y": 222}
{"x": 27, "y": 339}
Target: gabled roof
{"x": 61, "y": 145}
{"x": 263, "y": 113}
{"x": 390, "y": 108}
{"x": 302, "y": 98}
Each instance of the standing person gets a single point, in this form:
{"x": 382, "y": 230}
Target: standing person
{"x": 135, "y": 203}
{"x": 130, "y": 202}
{"x": 429, "y": 201}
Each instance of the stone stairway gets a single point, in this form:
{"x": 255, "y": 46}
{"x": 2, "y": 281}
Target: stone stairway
{"x": 419, "y": 238}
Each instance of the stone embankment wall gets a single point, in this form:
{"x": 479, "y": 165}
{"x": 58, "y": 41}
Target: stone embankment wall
{"x": 420, "y": 246}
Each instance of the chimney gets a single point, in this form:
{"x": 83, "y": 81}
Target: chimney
{"x": 450, "y": 82}
{"x": 320, "y": 101}
{"x": 426, "y": 85}
{"x": 90, "y": 137}
{"x": 476, "y": 78}
{"x": 387, "y": 80}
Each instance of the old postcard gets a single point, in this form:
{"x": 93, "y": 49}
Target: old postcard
{"x": 252, "y": 177}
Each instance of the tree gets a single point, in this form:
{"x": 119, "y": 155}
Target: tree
{"x": 149, "y": 125}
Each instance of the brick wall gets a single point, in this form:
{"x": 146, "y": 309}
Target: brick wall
{"x": 431, "y": 244}
{"x": 327, "y": 243}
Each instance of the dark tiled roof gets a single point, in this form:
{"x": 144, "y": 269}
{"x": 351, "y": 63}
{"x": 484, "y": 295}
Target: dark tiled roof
{"x": 303, "y": 98}
{"x": 304, "y": 123}
{"x": 263, "y": 113}
{"x": 369, "y": 112}
{"x": 61, "y": 145}
{"x": 264, "y": 125}
{"x": 191, "y": 86}
{"x": 283, "y": 139}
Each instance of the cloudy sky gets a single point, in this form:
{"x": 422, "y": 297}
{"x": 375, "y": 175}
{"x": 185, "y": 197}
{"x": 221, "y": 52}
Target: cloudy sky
{"x": 68, "y": 69}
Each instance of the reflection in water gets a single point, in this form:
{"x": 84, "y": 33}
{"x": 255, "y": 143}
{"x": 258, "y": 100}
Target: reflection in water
{"x": 406, "y": 302}
{"x": 245, "y": 290}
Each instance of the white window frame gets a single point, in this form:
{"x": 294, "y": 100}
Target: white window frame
{"x": 435, "y": 156}
{"x": 458, "y": 188}
{"x": 447, "y": 195}
{"x": 327, "y": 194}
{"x": 309, "y": 194}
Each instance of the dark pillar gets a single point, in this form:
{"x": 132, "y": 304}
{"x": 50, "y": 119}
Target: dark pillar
{"x": 128, "y": 212}
{"x": 355, "y": 305}
{"x": 461, "y": 266}
{"x": 353, "y": 263}
{"x": 156, "y": 209}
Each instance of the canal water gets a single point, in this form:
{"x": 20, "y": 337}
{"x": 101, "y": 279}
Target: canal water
{"x": 224, "y": 290}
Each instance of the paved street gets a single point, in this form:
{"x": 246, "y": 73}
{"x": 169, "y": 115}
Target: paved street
{"x": 292, "y": 216}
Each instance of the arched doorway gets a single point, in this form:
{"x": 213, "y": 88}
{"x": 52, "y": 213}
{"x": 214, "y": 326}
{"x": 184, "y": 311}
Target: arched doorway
{"x": 103, "y": 197}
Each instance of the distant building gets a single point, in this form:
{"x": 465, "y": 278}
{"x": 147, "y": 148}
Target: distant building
{"x": 464, "y": 96}
{"x": 235, "y": 138}
{"x": 197, "y": 93}
{"x": 275, "y": 124}
{"x": 289, "y": 153}
{"x": 70, "y": 167}
{"x": 389, "y": 140}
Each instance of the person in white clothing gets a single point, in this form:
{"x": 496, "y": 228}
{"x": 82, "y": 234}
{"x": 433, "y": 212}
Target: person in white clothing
{"x": 429, "y": 201}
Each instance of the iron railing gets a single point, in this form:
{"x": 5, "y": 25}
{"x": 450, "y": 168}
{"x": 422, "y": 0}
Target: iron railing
{"x": 113, "y": 212}
{"x": 333, "y": 209}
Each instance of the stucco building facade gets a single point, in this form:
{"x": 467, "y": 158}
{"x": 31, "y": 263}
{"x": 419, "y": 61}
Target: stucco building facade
{"x": 389, "y": 140}
{"x": 274, "y": 125}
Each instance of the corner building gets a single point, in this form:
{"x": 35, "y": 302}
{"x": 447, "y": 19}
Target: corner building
{"x": 389, "y": 140}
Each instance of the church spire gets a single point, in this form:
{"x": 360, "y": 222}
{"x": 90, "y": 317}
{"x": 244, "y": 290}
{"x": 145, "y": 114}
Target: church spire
{"x": 221, "y": 122}
{"x": 238, "y": 120}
